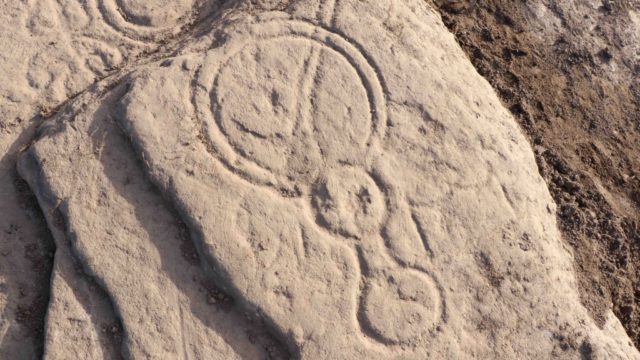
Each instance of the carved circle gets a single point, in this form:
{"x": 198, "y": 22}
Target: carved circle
{"x": 255, "y": 104}
{"x": 402, "y": 307}
{"x": 146, "y": 20}
{"x": 256, "y": 98}
{"x": 349, "y": 202}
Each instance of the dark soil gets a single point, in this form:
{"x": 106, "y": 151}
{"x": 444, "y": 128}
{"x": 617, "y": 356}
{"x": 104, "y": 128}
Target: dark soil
{"x": 579, "y": 105}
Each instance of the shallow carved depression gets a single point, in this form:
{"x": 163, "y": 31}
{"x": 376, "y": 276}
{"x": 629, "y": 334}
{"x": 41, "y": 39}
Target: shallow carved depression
{"x": 154, "y": 12}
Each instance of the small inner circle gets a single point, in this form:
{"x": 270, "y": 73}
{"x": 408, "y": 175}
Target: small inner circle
{"x": 403, "y": 306}
{"x": 156, "y": 13}
{"x": 349, "y": 202}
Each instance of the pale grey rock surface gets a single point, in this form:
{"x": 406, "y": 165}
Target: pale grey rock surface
{"x": 343, "y": 173}
{"x": 136, "y": 248}
{"x": 52, "y": 50}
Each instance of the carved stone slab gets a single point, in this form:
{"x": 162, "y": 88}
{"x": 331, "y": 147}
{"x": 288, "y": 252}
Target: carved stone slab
{"x": 345, "y": 175}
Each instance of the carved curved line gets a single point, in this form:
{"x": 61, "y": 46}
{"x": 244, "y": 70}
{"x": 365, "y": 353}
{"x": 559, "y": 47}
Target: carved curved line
{"x": 334, "y": 50}
{"x": 326, "y": 12}
{"x": 444, "y": 313}
{"x": 394, "y": 199}
{"x": 373, "y": 336}
{"x": 422, "y": 234}
{"x": 112, "y": 16}
{"x": 306, "y": 89}
{"x": 295, "y": 29}
{"x": 357, "y": 57}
